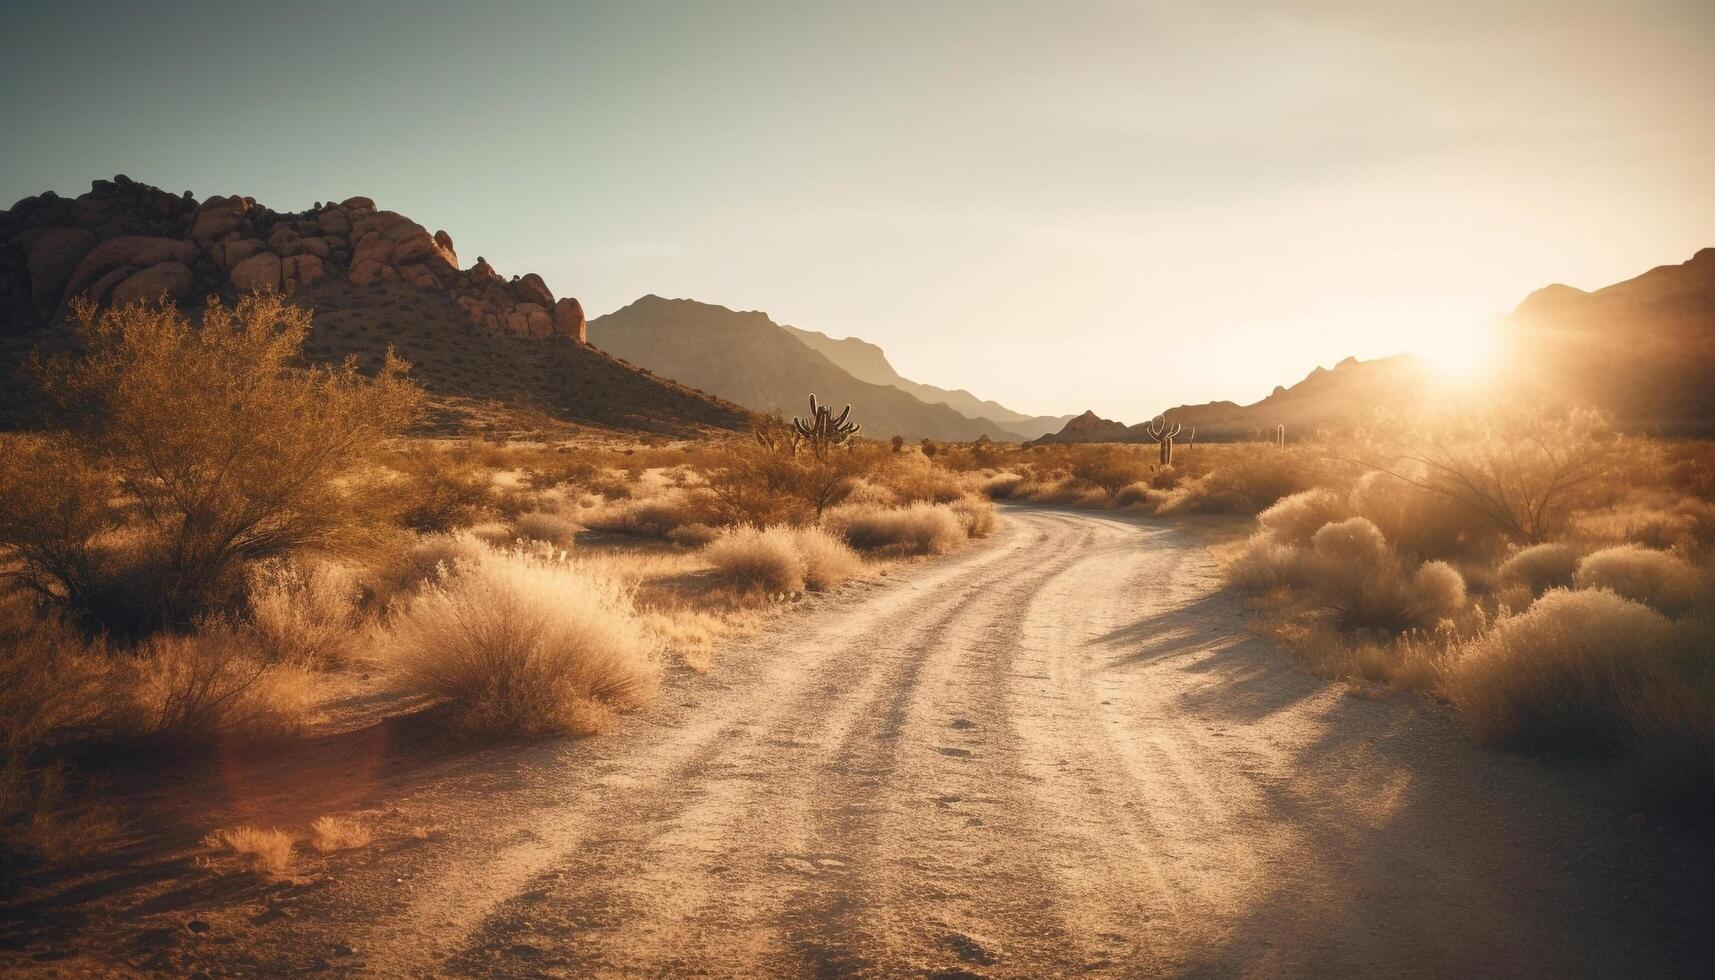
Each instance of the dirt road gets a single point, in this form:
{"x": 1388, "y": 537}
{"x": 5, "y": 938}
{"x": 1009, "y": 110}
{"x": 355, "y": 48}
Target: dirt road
{"x": 1060, "y": 752}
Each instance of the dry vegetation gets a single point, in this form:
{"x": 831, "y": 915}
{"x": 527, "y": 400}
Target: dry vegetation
{"x": 1549, "y": 578}
{"x": 209, "y": 536}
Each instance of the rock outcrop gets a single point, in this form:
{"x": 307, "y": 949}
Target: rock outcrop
{"x": 125, "y": 242}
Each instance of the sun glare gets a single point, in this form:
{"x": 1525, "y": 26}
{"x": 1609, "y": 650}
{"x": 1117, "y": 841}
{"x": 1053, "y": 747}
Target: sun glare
{"x": 1461, "y": 355}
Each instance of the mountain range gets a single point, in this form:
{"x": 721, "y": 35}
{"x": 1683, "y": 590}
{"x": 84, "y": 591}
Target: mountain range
{"x": 747, "y": 358}
{"x": 1642, "y": 350}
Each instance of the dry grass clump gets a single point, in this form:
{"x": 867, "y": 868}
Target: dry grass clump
{"x": 1353, "y": 572}
{"x": 920, "y": 529}
{"x": 976, "y": 515}
{"x": 1555, "y": 676}
{"x": 1657, "y": 578}
{"x": 303, "y": 613}
{"x": 782, "y": 560}
{"x": 332, "y": 833}
{"x": 547, "y": 526}
{"x": 1294, "y": 519}
{"x": 267, "y": 852}
{"x": 1541, "y": 567}
{"x": 519, "y": 643}
{"x": 210, "y": 685}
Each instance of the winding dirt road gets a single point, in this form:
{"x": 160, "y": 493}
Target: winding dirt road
{"x": 1060, "y": 752}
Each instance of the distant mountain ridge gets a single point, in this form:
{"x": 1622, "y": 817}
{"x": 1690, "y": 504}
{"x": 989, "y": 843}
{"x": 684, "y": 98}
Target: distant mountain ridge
{"x": 868, "y": 362}
{"x": 745, "y": 357}
{"x": 1642, "y": 350}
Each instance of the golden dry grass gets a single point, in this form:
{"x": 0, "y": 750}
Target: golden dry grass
{"x": 332, "y": 833}
{"x": 265, "y": 851}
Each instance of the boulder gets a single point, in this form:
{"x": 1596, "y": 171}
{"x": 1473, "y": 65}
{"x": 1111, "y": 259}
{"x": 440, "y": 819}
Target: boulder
{"x": 284, "y": 241}
{"x": 372, "y": 248}
{"x": 475, "y": 310}
{"x": 136, "y": 251}
{"x": 569, "y": 320}
{"x": 417, "y": 274}
{"x": 229, "y": 253}
{"x": 531, "y": 289}
{"x": 169, "y": 279}
{"x": 52, "y": 258}
{"x": 369, "y": 271}
{"x": 256, "y": 273}
{"x": 215, "y": 221}
{"x": 334, "y": 222}
{"x": 103, "y": 287}
{"x": 445, "y": 242}
{"x": 414, "y": 246}
{"x": 302, "y": 270}
{"x": 482, "y": 270}
{"x": 530, "y": 320}
{"x": 354, "y": 203}
{"x": 315, "y": 246}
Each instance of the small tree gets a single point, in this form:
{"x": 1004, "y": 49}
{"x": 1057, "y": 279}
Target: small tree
{"x": 224, "y": 450}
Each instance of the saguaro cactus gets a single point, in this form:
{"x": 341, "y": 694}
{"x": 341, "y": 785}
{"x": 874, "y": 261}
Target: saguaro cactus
{"x": 824, "y": 430}
{"x": 1163, "y": 432}
{"x": 1280, "y": 436}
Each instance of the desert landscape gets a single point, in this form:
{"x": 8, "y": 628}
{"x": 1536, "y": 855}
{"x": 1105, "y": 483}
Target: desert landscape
{"x": 371, "y": 608}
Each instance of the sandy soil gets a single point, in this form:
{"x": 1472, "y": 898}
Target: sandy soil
{"x": 1060, "y": 752}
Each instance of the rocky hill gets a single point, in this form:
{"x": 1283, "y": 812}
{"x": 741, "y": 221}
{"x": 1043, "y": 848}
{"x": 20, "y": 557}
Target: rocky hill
{"x": 751, "y": 360}
{"x": 373, "y": 277}
{"x": 867, "y": 362}
{"x": 1643, "y": 349}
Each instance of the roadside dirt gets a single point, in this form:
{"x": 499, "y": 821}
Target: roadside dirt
{"x": 1060, "y": 752}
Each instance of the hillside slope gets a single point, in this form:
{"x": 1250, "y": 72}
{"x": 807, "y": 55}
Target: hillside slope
{"x": 867, "y": 362}
{"x": 1643, "y": 349}
{"x": 747, "y": 358}
{"x": 373, "y": 278}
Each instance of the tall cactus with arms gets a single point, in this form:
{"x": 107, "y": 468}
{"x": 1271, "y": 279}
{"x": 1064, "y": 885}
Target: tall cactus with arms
{"x": 1164, "y": 432}
{"x": 824, "y": 430}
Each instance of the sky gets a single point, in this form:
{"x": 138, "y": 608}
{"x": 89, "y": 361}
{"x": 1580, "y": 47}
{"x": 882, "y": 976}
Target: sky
{"x": 1061, "y": 206}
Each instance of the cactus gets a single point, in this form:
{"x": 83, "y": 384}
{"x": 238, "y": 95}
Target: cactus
{"x": 1280, "y": 436}
{"x": 1191, "y": 439}
{"x": 1164, "y": 432}
{"x": 825, "y": 429}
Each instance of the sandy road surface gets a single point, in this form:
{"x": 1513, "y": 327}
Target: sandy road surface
{"x": 1060, "y": 752}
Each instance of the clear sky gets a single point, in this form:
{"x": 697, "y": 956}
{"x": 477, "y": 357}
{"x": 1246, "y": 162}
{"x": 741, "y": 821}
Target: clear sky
{"x": 1065, "y": 205}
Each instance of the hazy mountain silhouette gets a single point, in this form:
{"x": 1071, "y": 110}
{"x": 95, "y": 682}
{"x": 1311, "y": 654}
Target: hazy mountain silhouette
{"x": 747, "y": 358}
{"x": 867, "y": 362}
{"x": 1643, "y": 349}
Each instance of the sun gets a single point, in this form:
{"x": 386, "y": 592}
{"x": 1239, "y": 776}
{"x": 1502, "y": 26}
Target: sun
{"x": 1463, "y": 355}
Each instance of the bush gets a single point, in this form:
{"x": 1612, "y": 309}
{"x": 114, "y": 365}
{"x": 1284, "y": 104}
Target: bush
{"x": 1110, "y": 467}
{"x": 265, "y": 851}
{"x": 440, "y": 489}
{"x": 303, "y": 613}
{"x": 1264, "y": 565}
{"x": 546, "y": 526}
{"x": 1557, "y": 675}
{"x": 228, "y": 451}
{"x": 1294, "y": 519}
{"x": 920, "y": 529}
{"x": 1424, "y": 523}
{"x": 976, "y": 514}
{"x": 521, "y": 643}
{"x": 1657, "y": 578}
{"x": 759, "y": 559}
{"x": 828, "y": 562}
{"x": 209, "y": 686}
{"x": 1354, "y": 573}
{"x": 1541, "y": 567}
{"x": 330, "y": 833}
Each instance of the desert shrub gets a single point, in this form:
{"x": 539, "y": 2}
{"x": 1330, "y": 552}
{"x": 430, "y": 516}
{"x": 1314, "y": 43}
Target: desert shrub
{"x": 920, "y": 529}
{"x": 1657, "y": 578}
{"x": 439, "y": 489}
{"x": 1523, "y": 472}
{"x": 303, "y": 613}
{"x": 267, "y": 852}
{"x": 228, "y": 452}
{"x": 1140, "y": 496}
{"x": 422, "y": 559}
{"x": 548, "y": 526}
{"x": 1541, "y": 567}
{"x": 976, "y": 515}
{"x": 1251, "y": 481}
{"x": 1294, "y": 519}
{"x": 1352, "y": 572}
{"x": 521, "y": 643}
{"x": 1556, "y": 675}
{"x": 1264, "y": 565}
{"x": 827, "y": 560}
{"x": 1424, "y": 523}
{"x": 330, "y": 833}
{"x": 1110, "y": 467}
{"x": 909, "y": 481}
{"x": 1001, "y": 486}
{"x": 210, "y": 685}
{"x": 764, "y": 560}
{"x": 693, "y": 535}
